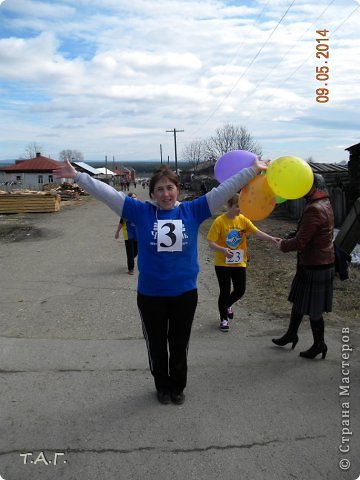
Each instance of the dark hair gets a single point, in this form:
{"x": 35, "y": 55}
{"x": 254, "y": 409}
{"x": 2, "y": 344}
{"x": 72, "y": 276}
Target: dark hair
{"x": 163, "y": 172}
{"x": 319, "y": 185}
{"x": 319, "y": 182}
{"x": 131, "y": 194}
{"x": 233, "y": 200}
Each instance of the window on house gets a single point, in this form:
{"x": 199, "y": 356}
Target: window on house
{"x": 40, "y": 179}
{"x": 18, "y": 178}
{"x": 51, "y": 179}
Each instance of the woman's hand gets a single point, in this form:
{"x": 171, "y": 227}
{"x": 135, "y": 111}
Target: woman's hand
{"x": 278, "y": 242}
{"x": 228, "y": 252}
{"x": 65, "y": 171}
{"x": 261, "y": 164}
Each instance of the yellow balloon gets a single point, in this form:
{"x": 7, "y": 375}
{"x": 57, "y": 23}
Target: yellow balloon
{"x": 290, "y": 177}
{"x": 256, "y": 200}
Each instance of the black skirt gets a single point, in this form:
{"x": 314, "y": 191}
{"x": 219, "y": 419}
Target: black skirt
{"x": 312, "y": 290}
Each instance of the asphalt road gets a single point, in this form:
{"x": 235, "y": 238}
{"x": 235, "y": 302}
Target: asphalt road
{"x": 77, "y": 398}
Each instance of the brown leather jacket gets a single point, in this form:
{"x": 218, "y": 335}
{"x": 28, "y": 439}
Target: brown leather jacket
{"x": 314, "y": 237}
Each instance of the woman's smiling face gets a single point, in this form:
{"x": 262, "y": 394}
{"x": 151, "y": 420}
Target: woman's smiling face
{"x": 165, "y": 193}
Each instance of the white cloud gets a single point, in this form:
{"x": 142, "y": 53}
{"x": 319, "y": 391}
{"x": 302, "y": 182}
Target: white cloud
{"x": 75, "y": 69}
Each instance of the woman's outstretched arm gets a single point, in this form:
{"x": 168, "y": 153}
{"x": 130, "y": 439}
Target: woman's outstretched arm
{"x": 220, "y": 194}
{"x": 100, "y": 190}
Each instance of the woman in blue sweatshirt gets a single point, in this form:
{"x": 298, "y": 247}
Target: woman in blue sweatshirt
{"x": 168, "y": 266}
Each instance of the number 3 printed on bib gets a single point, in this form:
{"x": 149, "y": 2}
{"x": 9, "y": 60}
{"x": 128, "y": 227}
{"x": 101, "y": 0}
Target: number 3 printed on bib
{"x": 169, "y": 238}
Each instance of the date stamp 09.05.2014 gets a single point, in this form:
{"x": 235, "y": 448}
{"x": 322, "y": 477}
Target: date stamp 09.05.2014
{"x": 322, "y": 69}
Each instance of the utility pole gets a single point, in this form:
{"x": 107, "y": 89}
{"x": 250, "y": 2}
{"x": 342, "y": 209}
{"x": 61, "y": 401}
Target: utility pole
{"x": 160, "y": 154}
{"x": 175, "y": 132}
{"x": 106, "y": 168}
{"x": 114, "y": 178}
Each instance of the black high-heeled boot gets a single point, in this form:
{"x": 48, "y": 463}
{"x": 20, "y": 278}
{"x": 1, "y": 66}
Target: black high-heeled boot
{"x": 291, "y": 334}
{"x": 319, "y": 346}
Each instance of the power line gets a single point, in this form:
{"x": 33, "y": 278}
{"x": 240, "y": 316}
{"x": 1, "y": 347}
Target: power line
{"x": 243, "y": 42}
{"x": 346, "y": 19}
{"x": 311, "y": 54}
{"x": 291, "y": 47}
{"x": 251, "y": 63}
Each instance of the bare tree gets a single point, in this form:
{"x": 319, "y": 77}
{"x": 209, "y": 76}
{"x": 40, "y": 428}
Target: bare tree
{"x": 32, "y": 149}
{"x": 194, "y": 153}
{"x": 227, "y": 138}
{"x": 71, "y": 155}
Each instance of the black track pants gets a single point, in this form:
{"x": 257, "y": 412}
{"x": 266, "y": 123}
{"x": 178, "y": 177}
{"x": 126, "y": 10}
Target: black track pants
{"x": 131, "y": 252}
{"x": 167, "y": 323}
{"x": 226, "y": 276}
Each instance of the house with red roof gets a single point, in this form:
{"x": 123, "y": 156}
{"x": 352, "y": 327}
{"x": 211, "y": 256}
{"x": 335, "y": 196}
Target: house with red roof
{"x": 31, "y": 174}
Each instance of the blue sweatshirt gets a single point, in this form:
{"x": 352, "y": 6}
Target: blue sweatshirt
{"x": 167, "y": 273}
{"x": 162, "y": 271}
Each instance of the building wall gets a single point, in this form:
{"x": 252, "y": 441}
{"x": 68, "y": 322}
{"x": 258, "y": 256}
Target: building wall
{"x": 354, "y": 172}
{"x": 28, "y": 181}
{"x": 338, "y": 201}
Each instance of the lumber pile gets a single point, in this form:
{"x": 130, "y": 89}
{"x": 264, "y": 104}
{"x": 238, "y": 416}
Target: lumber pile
{"x": 68, "y": 195}
{"x": 27, "y": 201}
{"x": 67, "y": 191}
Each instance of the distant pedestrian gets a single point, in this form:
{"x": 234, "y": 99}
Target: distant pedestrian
{"x": 167, "y": 263}
{"x": 228, "y": 238}
{"x": 129, "y": 233}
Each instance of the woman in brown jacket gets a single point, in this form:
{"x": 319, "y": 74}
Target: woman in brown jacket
{"x": 312, "y": 287}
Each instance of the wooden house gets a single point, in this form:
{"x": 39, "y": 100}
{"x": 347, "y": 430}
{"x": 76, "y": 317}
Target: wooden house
{"x": 30, "y": 174}
{"x": 337, "y": 181}
{"x": 354, "y": 173}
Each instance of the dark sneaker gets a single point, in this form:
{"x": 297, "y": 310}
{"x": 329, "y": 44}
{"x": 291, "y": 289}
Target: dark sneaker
{"x": 178, "y": 398}
{"x": 224, "y": 325}
{"x": 163, "y": 396}
{"x": 230, "y": 313}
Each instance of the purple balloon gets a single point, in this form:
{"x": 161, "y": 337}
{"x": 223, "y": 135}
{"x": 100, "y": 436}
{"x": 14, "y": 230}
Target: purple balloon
{"x": 231, "y": 163}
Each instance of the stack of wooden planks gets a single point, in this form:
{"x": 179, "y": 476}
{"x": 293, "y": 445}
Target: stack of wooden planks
{"x": 67, "y": 195}
{"x": 67, "y": 191}
{"x": 28, "y": 201}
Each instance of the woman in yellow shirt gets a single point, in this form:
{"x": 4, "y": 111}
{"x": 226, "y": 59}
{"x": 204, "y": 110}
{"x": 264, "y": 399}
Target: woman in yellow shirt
{"x": 227, "y": 237}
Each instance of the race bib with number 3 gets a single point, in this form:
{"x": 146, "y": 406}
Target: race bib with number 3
{"x": 238, "y": 257}
{"x": 169, "y": 237}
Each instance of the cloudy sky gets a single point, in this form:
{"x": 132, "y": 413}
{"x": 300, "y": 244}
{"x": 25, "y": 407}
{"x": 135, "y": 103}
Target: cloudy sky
{"x": 109, "y": 77}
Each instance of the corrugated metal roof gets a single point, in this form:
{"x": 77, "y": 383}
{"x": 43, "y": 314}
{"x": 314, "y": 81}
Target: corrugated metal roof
{"x": 87, "y": 167}
{"x": 328, "y": 167}
{"x": 104, "y": 171}
{"x": 316, "y": 167}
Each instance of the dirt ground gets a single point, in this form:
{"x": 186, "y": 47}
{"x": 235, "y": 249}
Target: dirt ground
{"x": 270, "y": 273}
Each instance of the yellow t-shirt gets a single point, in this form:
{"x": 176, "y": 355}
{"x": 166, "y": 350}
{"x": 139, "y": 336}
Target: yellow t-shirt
{"x": 231, "y": 233}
